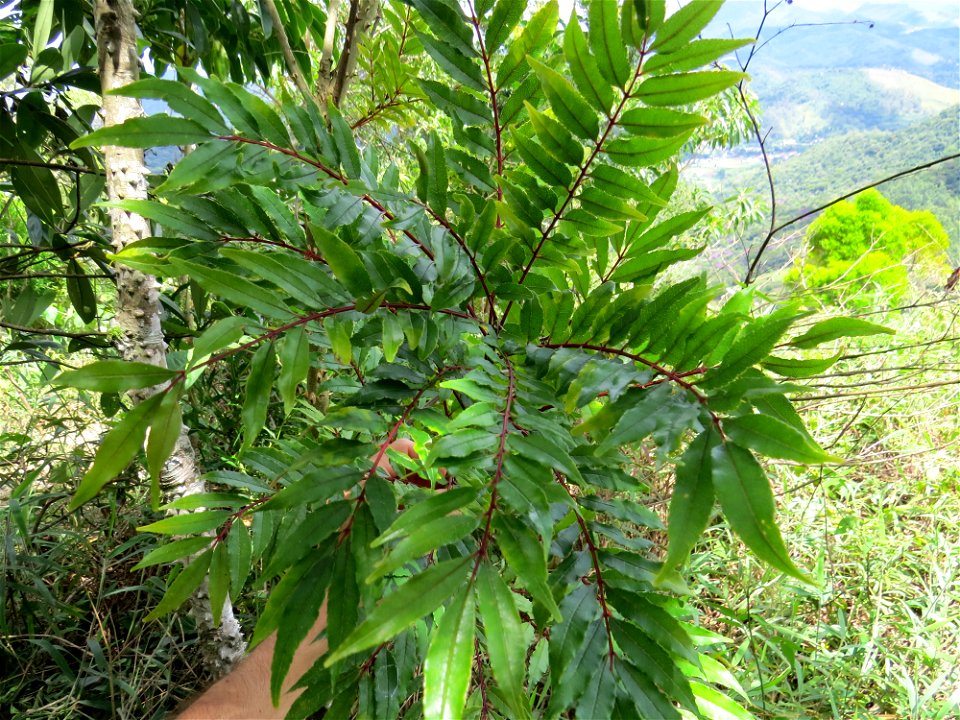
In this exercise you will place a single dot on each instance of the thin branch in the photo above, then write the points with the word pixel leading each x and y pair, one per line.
pixel 50 331
pixel 878 391
pixel 288 55
pixel 492 312
pixel 361 15
pixel 32 276
pixel 51 166
pixel 498 471
pixel 331 173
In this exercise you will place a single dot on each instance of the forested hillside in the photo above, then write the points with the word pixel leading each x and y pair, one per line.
pixel 805 106
pixel 837 165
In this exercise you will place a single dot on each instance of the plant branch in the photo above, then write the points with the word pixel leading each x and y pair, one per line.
pixel 442 221
pixel 50 331
pixel 51 166
pixel 288 56
pixel 498 471
pixel 331 173
pixel 581 176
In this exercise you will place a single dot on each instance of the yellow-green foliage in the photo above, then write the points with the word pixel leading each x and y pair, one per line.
pixel 870 244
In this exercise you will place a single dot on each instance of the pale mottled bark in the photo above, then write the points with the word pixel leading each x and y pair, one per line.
pixel 138 294
pixel 332 81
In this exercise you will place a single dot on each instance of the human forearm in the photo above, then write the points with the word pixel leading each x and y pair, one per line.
pixel 244 694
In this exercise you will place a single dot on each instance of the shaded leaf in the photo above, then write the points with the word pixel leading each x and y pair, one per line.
pixel 747 501
pixel 446 673
pixel 417 597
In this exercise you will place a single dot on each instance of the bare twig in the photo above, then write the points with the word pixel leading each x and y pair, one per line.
pixel 284 41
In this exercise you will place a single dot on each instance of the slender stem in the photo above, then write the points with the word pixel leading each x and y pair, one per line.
pixel 49 331
pixel 288 56
pixel 672 375
pixel 803 216
pixel 50 166
pixel 601 587
pixel 331 173
pixel 498 471
pixel 492 312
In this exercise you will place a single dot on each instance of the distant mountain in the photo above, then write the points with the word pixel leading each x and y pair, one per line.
pixel 820 70
pixel 922 38
pixel 804 106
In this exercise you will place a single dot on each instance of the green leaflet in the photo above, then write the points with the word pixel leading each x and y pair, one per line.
pixel 686 88
pixel 146 132
pixel 692 56
pixel 234 288
pixel 437 179
pixel 656 622
pixel 644 152
pixel 647 699
pixel 447 669
pixel 568 105
pixel 448 23
pixel 460 444
pixel 607 43
pixel 423 540
pixel 256 397
pixel 660 122
pixel 188 523
pixel 578 609
pixel 294 364
pixel 114 376
pixel 753 344
pixel 298 616
pixel 541 449
pixel 583 67
pixel 344 142
pixel 506 14
pixel 218 580
pixel 344 262
pixel 524 553
pixel 173 551
pixel 555 138
pixel 180 98
pixel 835 328
pixel 747 501
pixel 425 511
pixel 799 368
pixel 653 662
pixel 685 24
pixel 776 439
pixel 501 624
pixel 80 291
pixel 12 56
pixel 116 451
pixel 537 33
pixel 692 500
pixel 460 67
pixel 419 596
pixel 165 428
pixel 183 587
pixel 550 171
pixel 169 216
pixel 222 333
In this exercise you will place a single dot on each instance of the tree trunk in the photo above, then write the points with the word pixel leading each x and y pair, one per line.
pixel 138 304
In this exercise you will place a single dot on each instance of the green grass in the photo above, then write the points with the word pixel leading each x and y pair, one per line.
pixel 880 637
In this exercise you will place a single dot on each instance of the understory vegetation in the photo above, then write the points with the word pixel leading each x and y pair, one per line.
pixel 637 491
